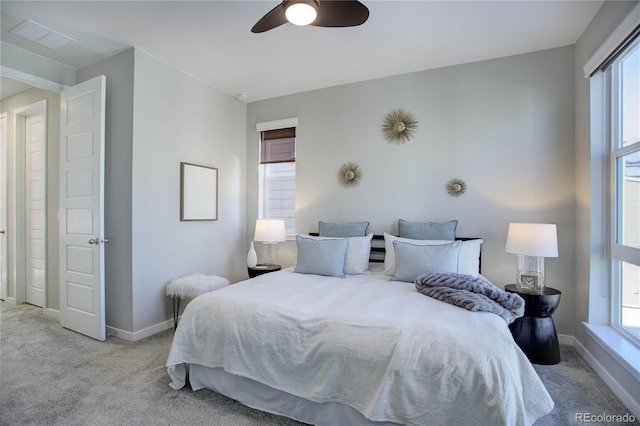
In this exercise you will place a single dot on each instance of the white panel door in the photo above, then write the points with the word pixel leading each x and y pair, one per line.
pixel 82 116
pixel 35 219
pixel 3 207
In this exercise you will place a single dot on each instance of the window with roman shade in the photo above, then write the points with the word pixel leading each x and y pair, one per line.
pixel 277 172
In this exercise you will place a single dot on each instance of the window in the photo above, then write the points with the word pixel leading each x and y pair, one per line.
pixel 623 78
pixel 277 172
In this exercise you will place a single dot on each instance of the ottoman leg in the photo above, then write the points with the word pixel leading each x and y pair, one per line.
pixel 176 310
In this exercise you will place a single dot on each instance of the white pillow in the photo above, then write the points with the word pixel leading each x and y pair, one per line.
pixel 468 260
pixel 358 252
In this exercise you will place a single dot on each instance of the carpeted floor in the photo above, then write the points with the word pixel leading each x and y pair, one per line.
pixel 53 376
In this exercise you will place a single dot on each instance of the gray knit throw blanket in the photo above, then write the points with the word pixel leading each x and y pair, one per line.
pixel 473 294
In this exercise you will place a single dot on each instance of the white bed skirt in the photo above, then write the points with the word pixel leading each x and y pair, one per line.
pixel 264 398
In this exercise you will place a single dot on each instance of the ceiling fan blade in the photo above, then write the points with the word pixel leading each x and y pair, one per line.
pixel 341 13
pixel 271 20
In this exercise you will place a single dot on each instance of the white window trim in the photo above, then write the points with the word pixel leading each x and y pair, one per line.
pixel 618 251
pixel 606 339
pixel 611 339
pixel 615 341
pixel 277 124
pixel 621 349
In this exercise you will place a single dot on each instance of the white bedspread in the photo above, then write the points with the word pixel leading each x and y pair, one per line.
pixel 378 346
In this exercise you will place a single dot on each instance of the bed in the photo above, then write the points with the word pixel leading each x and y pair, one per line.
pixel 354 349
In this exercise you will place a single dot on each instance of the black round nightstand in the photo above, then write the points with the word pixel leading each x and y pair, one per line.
pixel 535 332
pixel 262 268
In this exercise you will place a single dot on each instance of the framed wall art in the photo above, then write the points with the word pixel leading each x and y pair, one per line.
pixel 198 192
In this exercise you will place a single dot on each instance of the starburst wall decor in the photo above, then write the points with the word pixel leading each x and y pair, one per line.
pixel 399 126
pixel 349 174
pixel 456 187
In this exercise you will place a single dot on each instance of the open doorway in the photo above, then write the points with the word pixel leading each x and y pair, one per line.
pixel 35 182
pixel 29 206
pixel 28 256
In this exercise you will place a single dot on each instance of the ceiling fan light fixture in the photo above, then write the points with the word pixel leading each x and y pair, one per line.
pixel 301 12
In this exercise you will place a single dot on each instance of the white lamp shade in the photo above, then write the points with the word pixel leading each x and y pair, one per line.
pixel 533 239
pixel 269 231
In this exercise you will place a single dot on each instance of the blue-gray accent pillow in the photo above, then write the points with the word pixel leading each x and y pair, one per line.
pixel 427 230
pixel 343 230
pixel 321 257
pixel 413 260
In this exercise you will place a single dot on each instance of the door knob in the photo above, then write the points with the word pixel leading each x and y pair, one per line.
pixel 1 231
pixel 97 240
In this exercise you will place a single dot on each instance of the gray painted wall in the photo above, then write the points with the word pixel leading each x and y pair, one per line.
pixel 179 118
pixel 159 116
pixel 505 126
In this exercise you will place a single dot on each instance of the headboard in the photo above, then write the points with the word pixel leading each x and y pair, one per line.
pixel 378 250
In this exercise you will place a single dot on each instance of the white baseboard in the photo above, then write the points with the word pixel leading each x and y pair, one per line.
pixel 565 339
pixel 613 384
pixel 112 331
pixel 53 313
pixel 140 334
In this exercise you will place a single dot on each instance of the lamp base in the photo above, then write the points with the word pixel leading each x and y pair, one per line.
pixel 268 255
pixel 530 274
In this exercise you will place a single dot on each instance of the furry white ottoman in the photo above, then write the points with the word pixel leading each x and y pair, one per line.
pixel 191 286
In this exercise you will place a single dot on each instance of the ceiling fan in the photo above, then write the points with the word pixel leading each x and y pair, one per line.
pixel 325 13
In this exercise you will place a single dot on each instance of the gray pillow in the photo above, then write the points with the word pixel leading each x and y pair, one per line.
pixel 413 260
pixel 427 230
pixel 321 257
pixel 343 230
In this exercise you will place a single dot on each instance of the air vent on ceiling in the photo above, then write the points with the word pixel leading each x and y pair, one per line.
pixel 42 35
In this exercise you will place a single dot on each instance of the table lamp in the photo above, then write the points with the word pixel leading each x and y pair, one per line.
pixel 532 242
pixel 269 232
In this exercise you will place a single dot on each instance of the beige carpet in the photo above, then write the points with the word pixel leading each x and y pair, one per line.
pixel 53 376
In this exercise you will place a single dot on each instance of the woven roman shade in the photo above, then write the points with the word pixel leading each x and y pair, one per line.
pixel 278 146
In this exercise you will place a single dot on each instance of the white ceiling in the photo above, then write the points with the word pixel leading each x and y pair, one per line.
pixel 212 41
